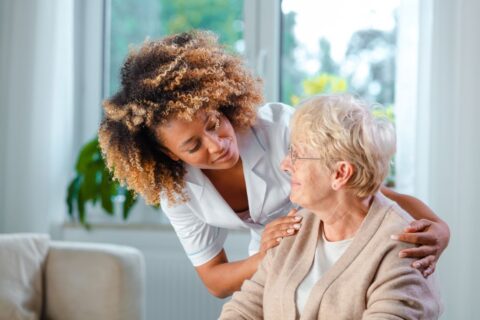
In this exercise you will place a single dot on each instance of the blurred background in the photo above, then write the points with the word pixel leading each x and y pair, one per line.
pixel 418 59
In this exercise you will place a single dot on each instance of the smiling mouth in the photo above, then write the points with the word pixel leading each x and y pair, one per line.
pixel 294 183
pixel 225 152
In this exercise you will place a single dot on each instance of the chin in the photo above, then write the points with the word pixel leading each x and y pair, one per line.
pixel 299 201
pixel 293 199
pixel 230 164
pixel 234 160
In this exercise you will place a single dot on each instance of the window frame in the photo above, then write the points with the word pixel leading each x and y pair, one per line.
pixel 262 43
pixel 90 70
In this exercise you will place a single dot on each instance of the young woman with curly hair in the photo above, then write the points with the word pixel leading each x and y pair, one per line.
pixel 186 131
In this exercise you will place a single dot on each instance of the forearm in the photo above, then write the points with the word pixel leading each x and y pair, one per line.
pixel 415 207
pixel 248 302
pixel 222 278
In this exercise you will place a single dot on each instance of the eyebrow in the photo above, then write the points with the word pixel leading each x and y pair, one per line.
pixel 190 140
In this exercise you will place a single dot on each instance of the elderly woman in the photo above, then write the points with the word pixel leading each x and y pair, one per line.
pixel 343 263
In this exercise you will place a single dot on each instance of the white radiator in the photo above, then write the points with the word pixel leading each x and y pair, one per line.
pixel 174 290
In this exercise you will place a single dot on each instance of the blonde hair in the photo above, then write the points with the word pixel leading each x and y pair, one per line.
pixel 343 128
pixel 173 78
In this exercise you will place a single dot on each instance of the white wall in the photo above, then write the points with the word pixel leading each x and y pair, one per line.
pixel 36 107
pixel 448 141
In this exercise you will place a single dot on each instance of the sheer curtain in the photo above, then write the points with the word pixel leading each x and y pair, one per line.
pixel 448 146
pixel 36 112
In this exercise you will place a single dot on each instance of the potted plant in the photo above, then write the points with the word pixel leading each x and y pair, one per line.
pixel 93 184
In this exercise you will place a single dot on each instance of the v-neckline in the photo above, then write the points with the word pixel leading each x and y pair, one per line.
pixel 234 174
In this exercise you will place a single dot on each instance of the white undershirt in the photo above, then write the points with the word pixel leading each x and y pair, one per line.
pixel 326 254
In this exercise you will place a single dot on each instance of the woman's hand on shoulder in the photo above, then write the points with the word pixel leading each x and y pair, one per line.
pixel 278 229
pixel 431 238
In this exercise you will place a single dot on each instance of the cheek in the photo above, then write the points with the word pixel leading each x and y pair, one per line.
pixel 199 157
pixel 310 182
pixel 225 125
pixel 309 187
pixel 195 158
pixel 227 131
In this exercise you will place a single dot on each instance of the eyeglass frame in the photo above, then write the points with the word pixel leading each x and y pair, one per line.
pixel 294 157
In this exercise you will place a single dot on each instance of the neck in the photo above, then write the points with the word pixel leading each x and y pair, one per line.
pixel 217 174
pixel 343 217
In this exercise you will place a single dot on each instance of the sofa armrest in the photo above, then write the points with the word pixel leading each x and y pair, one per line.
pixel 94 281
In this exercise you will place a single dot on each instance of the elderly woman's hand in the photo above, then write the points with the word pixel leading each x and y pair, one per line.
pixel 431 239
pixel 279 228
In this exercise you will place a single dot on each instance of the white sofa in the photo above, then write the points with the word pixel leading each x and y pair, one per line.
pixel 44 279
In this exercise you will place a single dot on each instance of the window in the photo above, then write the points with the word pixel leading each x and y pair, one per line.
pixel 328 48
pixel 298 47
pixel 132 23
pixel 339 46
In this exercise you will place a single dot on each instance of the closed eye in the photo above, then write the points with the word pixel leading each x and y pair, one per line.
pixel 195 148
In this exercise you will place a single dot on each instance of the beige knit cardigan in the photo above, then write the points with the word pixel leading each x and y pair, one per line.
pixel 369 281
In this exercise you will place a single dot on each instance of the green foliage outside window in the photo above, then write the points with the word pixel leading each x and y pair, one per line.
pixel 323 83
pixel 133 22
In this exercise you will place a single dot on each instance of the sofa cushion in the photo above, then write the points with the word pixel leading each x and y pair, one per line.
pixel 107 279
pixel 22 261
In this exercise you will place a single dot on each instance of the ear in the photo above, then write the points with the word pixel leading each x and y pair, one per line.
pixel 342 172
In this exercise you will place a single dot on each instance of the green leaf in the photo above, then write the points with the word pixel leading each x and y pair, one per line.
pixel 88 154
pixel 81 207
pixel 81 211
pixel 89 186
pixel 130 200
pixel 72 194
pixel 107 191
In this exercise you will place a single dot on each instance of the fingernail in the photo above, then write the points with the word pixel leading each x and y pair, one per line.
pixel 298 218
pixel 394 237
pixel 416 264
pixel 279 239
pixel 402 254
pixel 297 226
pixel 290 231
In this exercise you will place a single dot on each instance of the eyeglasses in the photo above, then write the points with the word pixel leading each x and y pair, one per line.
pixel 294 157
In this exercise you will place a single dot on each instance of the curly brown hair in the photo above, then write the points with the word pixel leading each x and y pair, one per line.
pixel 172 78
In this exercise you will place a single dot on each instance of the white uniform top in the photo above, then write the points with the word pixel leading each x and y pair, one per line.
pixel 201 224
pixel 326 254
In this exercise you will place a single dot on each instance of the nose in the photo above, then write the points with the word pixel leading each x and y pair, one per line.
pixel 286 164
pixel 213 143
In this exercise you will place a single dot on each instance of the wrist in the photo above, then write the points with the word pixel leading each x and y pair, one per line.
pixel 256 259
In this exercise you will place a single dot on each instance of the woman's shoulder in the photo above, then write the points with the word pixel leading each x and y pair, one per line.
pixel 275 112
pixel 307 233
pixel 396 219
pixel 393 222
pixel 307 216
